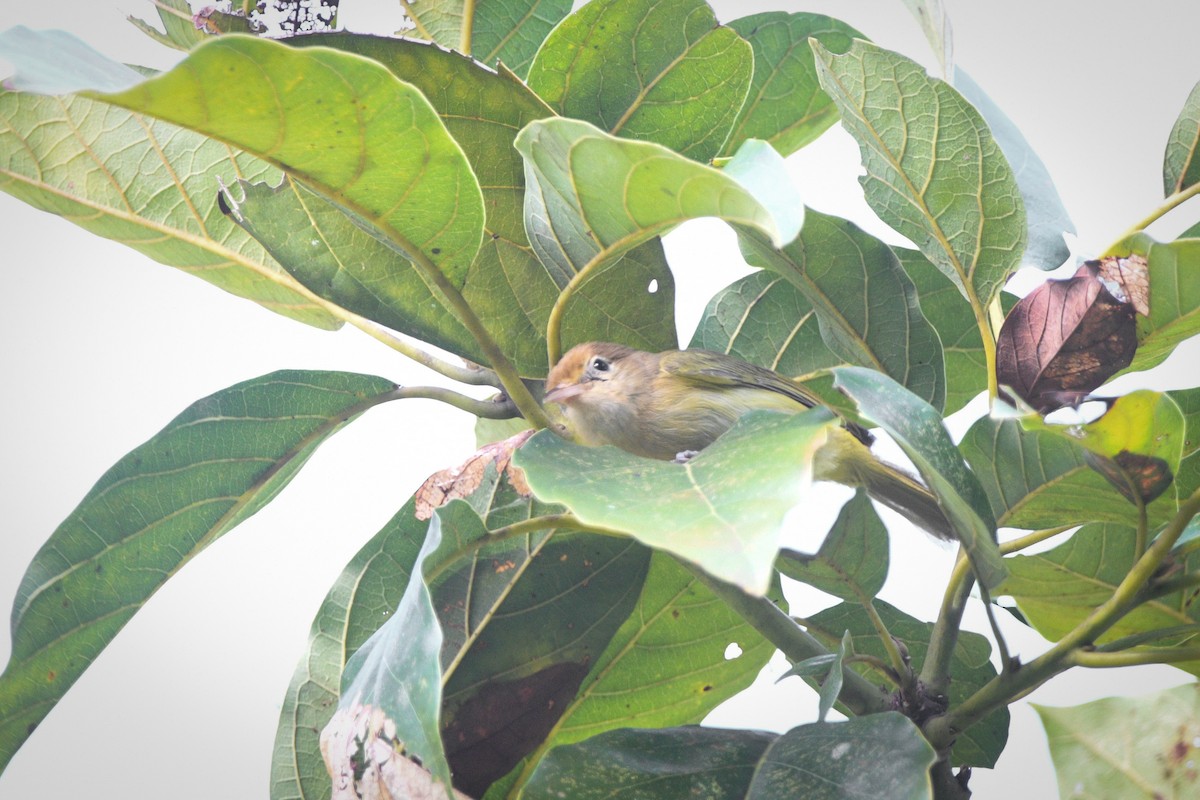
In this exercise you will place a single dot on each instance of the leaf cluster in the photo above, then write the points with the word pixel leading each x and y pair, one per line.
pixel 548 619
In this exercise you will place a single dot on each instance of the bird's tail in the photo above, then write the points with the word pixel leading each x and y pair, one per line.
pixel 848 461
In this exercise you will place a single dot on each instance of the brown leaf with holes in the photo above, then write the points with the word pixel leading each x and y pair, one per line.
pixel 1064 339
pixel 1137 477
pixel 1127 279
pixel 458 482
pixel 367 762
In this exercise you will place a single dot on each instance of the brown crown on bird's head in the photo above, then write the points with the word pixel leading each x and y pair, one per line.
pixel 580 366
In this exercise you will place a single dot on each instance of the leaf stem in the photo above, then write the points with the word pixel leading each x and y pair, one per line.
pixel 488 409
pixel 468 23
pixel 900 669
pixel 1173 200
pixel 1009 686
pixel 935 672
pixel 878 664
pixel 858 694
pixel 473 375
pixel 1030 539
pixel 1132 658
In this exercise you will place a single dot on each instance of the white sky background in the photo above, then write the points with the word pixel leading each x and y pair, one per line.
pixel 102 347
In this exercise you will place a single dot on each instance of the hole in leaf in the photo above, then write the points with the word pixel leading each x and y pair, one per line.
pixel 653 287
pixel 732 651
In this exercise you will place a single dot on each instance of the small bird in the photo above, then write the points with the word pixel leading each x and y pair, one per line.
pixel 664 405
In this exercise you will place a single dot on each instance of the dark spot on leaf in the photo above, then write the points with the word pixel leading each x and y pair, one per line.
pixel 1133 474
pixel 675 613
pixel 707 688
pixel 99 569
pixel 436 250
pixel 51 675
pixel 221 204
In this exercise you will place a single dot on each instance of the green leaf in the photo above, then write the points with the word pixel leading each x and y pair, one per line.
pixel 212 467
pixel 1058 589
pixel 146 184
pixel 510 290
pixel 722 510
pixel 866 306
pixel 176 16
pixel 970 667
pixel 786 106
pixel 1045 216
pixel 56 62
pixel 1126 747
pixel 1038 479
pixel 919 431
pixel 831 687
pixel 593 196
pixel 362 599
pixel 1139 441
pixel 934 172
pixel 322 247
pixel 943 306
pixel 342 124
pixel 1174 296
pixel 1181 162
pixel 1188 401
pixel 513 30
pixel 882 755
pixel 660 71
pixel 632 686
pixel 490 645
pixel 935 24
pixel 853 560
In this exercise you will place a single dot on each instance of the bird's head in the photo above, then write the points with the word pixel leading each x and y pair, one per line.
pixel 585 370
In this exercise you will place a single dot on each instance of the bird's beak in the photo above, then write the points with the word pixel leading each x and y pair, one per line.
pixel 562 394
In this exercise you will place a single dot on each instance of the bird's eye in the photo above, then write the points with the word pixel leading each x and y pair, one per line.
pixel 600 364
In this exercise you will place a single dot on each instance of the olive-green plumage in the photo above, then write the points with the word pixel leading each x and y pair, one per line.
pixel 659 405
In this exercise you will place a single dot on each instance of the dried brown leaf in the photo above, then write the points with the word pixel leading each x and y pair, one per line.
pixel 458 482
pixel 1066 338
pixel 1127 279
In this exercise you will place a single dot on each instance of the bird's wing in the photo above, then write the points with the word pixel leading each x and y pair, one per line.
pixel 711 369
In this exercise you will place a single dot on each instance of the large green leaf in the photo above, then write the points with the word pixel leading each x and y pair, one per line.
pixel 970 667
pixel 656 70
pixel 883 755
pixel 498 30
pixel 1127 747
pixel 362 599
pixel 722 510
pixel 147 184
pixel 1174 296
pixel 631 685
pixel 319 244
pixel 1137 444
pixel 866 305
pixel 508 288
pixel 853 560
pixel 212 467
pixel 919 431
pixel 1058 589
pixel 593 199
pixel 343 124
pixel 943 305
pixel 1045 216
pixel 786 106
pixel 1181 162
pixel 1038 479
pixel 765 320
pixel 934 172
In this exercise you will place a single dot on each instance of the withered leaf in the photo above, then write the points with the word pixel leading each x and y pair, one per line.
pixel 367 762
pixel 1064 339
pixel 458 482
pixel 1128 279
pixel 1133 475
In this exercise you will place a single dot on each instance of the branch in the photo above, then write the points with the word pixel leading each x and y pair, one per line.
pixel 1009 686
pixel 473 375
pixel 935 672
pixel 1171 202
pixel 1131 658
pixel 858 694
